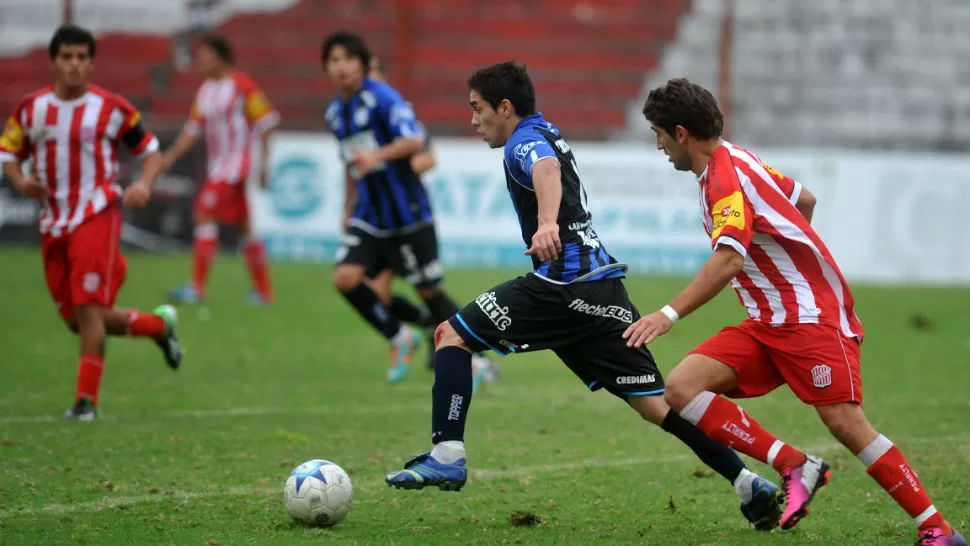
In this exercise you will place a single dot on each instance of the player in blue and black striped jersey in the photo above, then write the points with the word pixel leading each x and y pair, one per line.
pixel 573 302
pixel 388 219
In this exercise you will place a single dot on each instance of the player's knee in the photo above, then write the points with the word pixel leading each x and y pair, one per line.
pixel 845 421
pixel 650 408
pixel 346 279
pixel 446 336
pixel 679 391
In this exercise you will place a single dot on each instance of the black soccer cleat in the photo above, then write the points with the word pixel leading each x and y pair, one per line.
pixel 82 410
pixel 169 344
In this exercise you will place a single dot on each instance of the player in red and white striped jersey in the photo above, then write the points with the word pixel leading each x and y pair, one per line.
pixel 802 329
pixel 233 114
pixel 71 132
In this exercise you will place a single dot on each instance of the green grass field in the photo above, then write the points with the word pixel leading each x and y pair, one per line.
pixel 199 457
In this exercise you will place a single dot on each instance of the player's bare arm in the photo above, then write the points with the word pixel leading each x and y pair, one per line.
pixel 547 182
pixel 714 275
pixel 185 141
pixel 28 186
pixel 350 197
pixel 367 160
pixel 423 162
pixel 806 204
pixel 264 161
pixel 138 193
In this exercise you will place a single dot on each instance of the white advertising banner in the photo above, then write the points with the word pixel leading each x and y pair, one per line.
pixel 886 217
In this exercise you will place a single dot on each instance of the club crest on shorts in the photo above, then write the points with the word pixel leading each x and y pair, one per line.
pixel 91 282
pixel 821 376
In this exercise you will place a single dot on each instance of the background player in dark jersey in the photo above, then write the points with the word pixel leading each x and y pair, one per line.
pixel 573 302
pixel 483 369
pixel 388 214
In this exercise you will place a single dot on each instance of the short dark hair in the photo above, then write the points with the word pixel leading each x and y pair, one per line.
pixel 682 102
pixel 508 80
pixel 71 35
pixel 220 45
pixel 354 44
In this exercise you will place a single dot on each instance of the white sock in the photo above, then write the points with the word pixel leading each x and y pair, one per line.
pixel 742 485
pixel 402 336
pixel 448 452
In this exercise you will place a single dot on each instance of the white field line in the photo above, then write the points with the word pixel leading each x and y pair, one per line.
pixel 109 503
pixel 423 405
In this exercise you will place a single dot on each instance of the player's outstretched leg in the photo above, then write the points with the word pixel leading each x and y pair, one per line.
pixel 159 326
pixel 204 249
pixel 444 465
pixel 348 279
pixel 760 499
pixel 689 392
pixel 887 465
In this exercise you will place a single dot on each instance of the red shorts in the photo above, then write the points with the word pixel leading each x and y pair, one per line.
pixel 86 266
pixel 819 363
pixel 224 202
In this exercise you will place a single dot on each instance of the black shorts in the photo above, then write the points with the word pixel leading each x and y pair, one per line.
pixel 582 323
pixel 412 256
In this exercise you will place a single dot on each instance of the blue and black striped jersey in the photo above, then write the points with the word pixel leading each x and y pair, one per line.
pixel 584 258
pixel 391 198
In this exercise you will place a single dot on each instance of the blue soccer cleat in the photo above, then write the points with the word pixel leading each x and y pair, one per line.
pixel 424 470
pixel 186 294
pixel 764 508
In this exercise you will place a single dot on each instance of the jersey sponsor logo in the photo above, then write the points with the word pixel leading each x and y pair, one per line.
pixel 609 311
pixel 728 212
pixel 821 376
pixel 589 237
pixel 497 314
pixel 362 116
pixel 636 379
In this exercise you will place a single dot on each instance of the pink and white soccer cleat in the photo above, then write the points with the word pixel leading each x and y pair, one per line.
pixel 800 484
pixel 934 537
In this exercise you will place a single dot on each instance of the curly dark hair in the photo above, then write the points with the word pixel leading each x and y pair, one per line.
pixel 682 102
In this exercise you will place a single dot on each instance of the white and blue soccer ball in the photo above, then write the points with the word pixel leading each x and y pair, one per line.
pixel 318 493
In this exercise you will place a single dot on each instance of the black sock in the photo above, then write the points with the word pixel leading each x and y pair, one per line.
pixel 720 458
pixel 405 311
pixel 451 394
pixel 441 306
pixel 370 307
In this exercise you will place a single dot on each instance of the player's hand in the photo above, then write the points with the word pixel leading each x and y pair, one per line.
pixel 137 195
pixel 647 329
pixel 545 243
pixel 366 161
pixel 32 188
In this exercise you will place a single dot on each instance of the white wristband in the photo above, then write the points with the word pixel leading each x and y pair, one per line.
pixel 671 313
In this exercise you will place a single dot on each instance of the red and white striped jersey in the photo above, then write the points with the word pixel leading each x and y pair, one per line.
pixel 232 111
pixel 74 149
pixel 789 275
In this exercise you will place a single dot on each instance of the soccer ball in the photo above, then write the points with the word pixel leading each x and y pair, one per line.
pixel 318 493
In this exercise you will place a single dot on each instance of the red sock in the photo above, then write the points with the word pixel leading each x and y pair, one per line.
pixel 886 464
pixel 255 254
pixel 726 423
pixel 89 378
pixel 145 325
pixel 204 251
